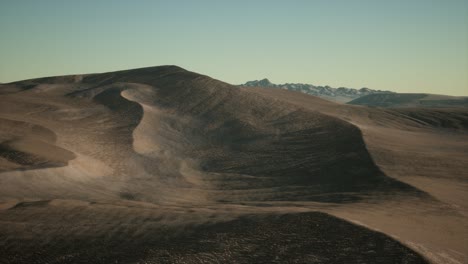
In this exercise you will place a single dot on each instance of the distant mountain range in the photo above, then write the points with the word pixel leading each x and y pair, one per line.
pixel 341 94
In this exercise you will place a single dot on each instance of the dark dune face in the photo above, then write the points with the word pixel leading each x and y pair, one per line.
pixel 267 238
pixel 450 119
pixel 163 157
pixel 410 100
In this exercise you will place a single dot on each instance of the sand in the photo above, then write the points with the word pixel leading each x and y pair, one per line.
pixel 159 165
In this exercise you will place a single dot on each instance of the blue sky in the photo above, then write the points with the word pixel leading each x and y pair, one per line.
pixel 405 46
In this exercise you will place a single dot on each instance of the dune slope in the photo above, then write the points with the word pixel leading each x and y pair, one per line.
pixel 411 100
pixel 423 147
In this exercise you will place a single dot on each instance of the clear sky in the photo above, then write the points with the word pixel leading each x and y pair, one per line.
pixel 399 45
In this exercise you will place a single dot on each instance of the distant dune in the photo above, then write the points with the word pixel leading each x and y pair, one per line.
pixel 411 100
pixel 163 165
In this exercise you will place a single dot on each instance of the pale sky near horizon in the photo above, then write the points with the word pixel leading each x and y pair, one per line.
pixel 403 46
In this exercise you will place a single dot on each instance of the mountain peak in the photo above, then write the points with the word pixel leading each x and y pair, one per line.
pixel 262 83
pixel 341 94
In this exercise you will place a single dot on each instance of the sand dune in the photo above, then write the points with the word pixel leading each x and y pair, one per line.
pixel 126 154
pixel 411 100
pixel 423 147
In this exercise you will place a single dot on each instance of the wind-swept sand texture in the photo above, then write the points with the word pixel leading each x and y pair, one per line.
pixel 162 165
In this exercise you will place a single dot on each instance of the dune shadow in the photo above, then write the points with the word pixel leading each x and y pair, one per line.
pixel 291 238
pixel 30 146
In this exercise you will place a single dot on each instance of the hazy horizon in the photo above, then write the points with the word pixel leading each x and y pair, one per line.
pixel 405 47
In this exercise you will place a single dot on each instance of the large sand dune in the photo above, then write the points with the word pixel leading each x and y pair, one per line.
pixel 164 165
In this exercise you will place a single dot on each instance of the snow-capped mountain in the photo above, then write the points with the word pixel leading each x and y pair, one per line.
pixel 341 94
